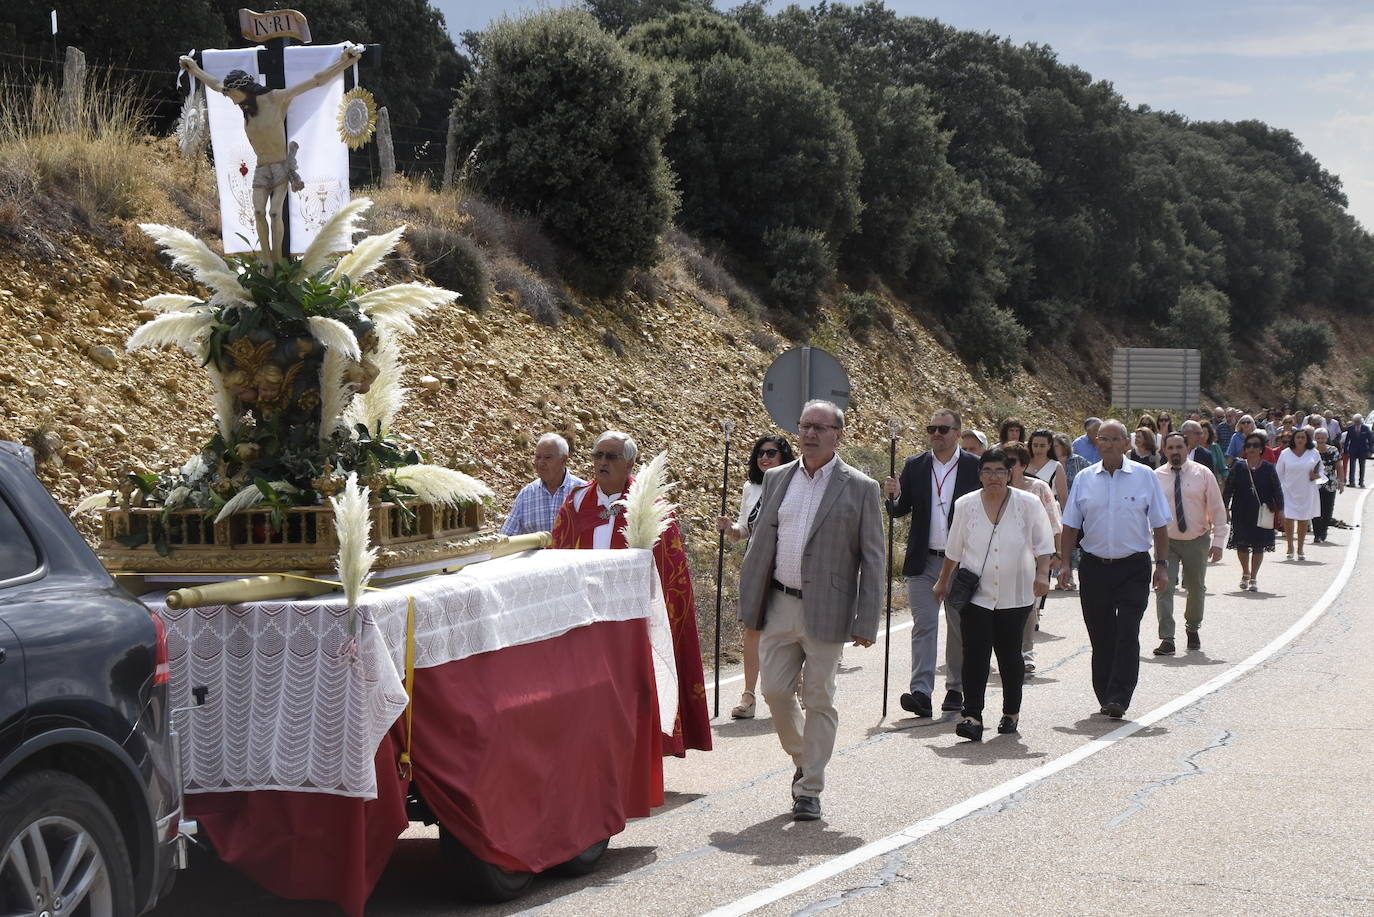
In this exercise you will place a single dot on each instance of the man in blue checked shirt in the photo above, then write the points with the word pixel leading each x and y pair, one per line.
pixel 538 501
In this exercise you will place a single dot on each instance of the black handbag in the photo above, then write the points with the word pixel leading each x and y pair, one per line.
pixel 964 583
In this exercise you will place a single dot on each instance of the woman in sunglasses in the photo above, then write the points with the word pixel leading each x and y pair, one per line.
pixel 1044 466
pixel 1253 484
pixel 769 452
pixel 1165 422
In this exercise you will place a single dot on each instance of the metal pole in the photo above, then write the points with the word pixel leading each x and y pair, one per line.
pixel 727 427
pixel 893 428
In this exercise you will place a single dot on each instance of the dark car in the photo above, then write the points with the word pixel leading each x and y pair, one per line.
pixel 90 795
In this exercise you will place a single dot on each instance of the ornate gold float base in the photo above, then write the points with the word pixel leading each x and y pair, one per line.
pixel 307 542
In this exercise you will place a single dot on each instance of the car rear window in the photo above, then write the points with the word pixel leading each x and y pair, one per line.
pixel 17 553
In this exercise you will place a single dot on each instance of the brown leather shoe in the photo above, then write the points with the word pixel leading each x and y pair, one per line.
pixel 1165 648
pixel 1194 641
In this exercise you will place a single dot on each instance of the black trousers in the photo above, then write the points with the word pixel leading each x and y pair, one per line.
pixel 1114 597
pixel 1322 522
pixel 987 631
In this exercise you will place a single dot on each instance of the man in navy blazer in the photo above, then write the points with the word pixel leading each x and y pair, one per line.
pixel 929 485
pixel 1359 442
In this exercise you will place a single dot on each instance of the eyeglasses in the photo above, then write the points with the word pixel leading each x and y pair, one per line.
pixel 816 427
pixel 768 452
pixel 1254 446
pixel 941 428
pixel 608 456
pixel 994 472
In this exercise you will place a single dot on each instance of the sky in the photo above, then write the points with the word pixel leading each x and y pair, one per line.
pixel 1304 67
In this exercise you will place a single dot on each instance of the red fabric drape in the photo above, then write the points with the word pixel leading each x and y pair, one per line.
pixel 528 755
pixel 578 517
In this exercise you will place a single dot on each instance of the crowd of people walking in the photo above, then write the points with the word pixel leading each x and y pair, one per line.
pixel 1114 514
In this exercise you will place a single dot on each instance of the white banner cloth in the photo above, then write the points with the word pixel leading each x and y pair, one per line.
pixel 287 711
pixel 234 158
pixel 313 122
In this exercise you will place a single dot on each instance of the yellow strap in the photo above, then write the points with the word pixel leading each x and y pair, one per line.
pixel 404 765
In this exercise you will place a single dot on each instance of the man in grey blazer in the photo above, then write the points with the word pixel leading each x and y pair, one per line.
pixel 811 580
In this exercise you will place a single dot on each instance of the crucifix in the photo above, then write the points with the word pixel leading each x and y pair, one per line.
pixel 264 121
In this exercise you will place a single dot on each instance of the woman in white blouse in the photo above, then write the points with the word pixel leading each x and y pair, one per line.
pixel 1003 535
pixel 769 452
pixel 1043 465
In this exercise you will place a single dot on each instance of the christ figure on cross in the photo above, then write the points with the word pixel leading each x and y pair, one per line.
pixel 264 121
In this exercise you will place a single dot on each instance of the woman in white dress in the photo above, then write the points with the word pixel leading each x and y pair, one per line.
pixel 1300 475
pixel 1000 534
pixel 769 452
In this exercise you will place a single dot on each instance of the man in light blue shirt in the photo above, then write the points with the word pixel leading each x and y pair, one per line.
pixel 1086 445
pixel 537 504
pixel 1120 511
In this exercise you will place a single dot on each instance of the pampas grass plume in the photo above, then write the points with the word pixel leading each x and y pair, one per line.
pixel 353 522
pixel 367 255
pixel 437 484
pixel 336 235
pixel 647 510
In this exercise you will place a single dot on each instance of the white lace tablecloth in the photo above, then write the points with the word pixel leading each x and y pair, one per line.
pixel 288 710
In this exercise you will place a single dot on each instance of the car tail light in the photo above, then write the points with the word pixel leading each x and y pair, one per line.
pixel 162 673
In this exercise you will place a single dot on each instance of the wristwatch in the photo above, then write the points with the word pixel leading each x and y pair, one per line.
pixel 1161 563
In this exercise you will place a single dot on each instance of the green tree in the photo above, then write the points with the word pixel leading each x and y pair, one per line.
pixel 568 126
pixel 619 16
pixel 1202 319
pixel 759 143
pixel 1301 343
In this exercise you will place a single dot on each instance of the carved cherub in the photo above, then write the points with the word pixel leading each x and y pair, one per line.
pixel 264 121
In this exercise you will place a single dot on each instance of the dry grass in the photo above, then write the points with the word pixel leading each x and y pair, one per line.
pixel 88 163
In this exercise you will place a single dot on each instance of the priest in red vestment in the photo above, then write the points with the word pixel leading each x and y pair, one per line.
pixel 587 520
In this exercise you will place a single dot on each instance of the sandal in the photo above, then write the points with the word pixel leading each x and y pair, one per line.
pixel 744 710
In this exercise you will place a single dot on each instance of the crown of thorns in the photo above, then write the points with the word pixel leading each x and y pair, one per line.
pixel 238 79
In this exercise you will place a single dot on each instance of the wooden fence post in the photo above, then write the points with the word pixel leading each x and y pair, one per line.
pixel 451 150
pixel 73 87
pixel 386 153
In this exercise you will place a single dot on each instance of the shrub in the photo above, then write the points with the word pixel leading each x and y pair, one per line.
pixel 765 340
pixel 613 343
pixel 759 142
pixel 570 125
pixel 453 261
pixel 862 310
pixel 1202 319
pixel 1301 343
pixel 991 337
pixel 528 291
pixel 801 264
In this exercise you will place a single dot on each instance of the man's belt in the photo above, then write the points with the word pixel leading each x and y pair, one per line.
pixel 1139 555
pixel 936 552
pixel 795 593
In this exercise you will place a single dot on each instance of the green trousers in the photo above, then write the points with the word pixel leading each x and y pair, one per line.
pixel 1192 555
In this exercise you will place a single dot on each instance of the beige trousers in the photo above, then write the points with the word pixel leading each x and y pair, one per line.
pixel 786 650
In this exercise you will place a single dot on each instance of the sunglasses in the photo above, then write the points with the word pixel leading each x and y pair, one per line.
pixel 941 428
pixel 608 456
pixel 768 452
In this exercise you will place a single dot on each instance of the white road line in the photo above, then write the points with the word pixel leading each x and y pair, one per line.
pixel 906 625
pixel 909 835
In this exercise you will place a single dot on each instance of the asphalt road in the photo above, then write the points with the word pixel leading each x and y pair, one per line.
pixel 1240 782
